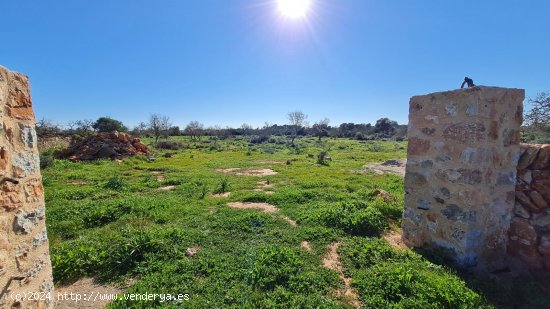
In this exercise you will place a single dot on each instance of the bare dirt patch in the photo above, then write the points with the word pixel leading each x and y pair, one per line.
pixel 167 188
pixel 332 261
pixel 192 251
pixel 78 182
pixel 393 237
pixel 160 178
pixel 220 195
pixel 84 286
pixel 290 221
pixel 306 245
pixel 383 194
pixel 264 186
pixel 248 171
pixel 264 207
pixel 391 166
pixel 227 170
pixel 270 162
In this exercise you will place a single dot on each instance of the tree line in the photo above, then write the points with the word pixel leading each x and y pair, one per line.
pixel 160 126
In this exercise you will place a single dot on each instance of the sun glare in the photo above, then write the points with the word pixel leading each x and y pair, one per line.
pixel 294 8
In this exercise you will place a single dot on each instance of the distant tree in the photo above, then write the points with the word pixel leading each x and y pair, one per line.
pixel 194 129
pixel 159 126
pixel 385 126
pixel 320 128
pixel 539 114
pixel 174 131
pixel 140 130
pixel 297 120
pixel 246 129
pixel 537 119
pixel 83 127
pixel 107 124
pixel 45 127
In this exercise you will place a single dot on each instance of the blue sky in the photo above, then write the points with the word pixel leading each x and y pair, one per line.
pixel 230 62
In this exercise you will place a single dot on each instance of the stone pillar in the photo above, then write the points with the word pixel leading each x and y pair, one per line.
pixel 461 172
pixel 529 234
pixel 25 265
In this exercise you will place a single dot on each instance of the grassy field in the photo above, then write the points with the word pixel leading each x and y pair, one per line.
pixel 112 221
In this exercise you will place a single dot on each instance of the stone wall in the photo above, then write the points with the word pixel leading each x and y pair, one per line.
pixel 461 172
pixel 529 234
pixel 24 254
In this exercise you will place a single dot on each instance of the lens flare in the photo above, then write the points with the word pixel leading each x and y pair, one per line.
pixel 294 8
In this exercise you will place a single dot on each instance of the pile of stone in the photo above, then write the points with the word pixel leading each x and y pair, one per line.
pixel 104 145
pixel 529 234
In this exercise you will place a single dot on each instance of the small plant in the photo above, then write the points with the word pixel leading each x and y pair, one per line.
pixel 203 191
pixel 115 183
pixel 274 266
pixel 170 145
pixel 223 186
pixel 322 158
pixel 46 160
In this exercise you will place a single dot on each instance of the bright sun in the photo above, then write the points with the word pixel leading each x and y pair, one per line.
pixel 294 8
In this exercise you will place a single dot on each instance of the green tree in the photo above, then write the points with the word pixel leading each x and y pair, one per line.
pixel 107 124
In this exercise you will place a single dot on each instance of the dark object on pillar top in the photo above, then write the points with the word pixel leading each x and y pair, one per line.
pixel 467 81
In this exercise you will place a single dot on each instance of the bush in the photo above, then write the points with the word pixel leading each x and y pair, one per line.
pixel 223 186
pixel 170 145
pixel 46 160
pixel 321 158
pixel 354 218
pixel 259 139
pixel 115 183
pixel 274 266
pixel 113 255
pixel 413 284
pixel 360 253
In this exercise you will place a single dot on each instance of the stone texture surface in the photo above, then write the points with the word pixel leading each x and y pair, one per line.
pixel 463 201
pixel 532 207
pixel 24 254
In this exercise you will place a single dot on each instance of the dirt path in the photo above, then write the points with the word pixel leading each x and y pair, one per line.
pixel 391 166
pixel 248 171
pixel 263 207
pixel 86 288
pixel 332 261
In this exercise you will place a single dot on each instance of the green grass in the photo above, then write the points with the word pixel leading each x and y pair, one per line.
pixel 119 225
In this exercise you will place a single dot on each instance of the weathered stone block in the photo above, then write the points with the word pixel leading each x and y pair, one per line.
pixel 23 240
pixel 25 222
pixel 543 159
pixel 460 182
pixel 529 156
pixel 465 132
pixel 418 146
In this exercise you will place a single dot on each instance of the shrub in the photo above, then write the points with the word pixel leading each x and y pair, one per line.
pixel 273 266
pixel 170 145
pixel 223 186
pixel 354 218
pixel 259 139
pixel 46 160
pixel 115 183
pixel 321 158
pixel 413 284
pixel 101 214
pixel 360 253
